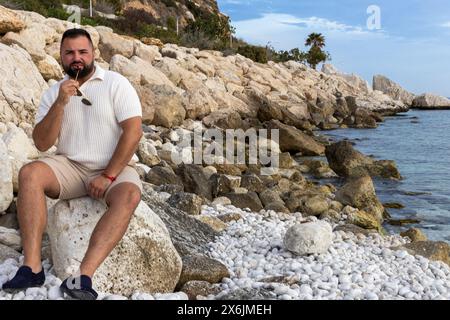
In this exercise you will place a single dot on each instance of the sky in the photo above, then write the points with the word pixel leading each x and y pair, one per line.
pixel 408 41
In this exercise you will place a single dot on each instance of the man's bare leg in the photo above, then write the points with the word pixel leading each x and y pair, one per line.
pixel 122 201
pixel 36 180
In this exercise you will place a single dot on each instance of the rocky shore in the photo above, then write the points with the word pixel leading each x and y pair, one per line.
pixel 211 229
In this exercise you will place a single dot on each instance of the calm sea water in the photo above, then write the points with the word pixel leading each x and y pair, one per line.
pixel 419 142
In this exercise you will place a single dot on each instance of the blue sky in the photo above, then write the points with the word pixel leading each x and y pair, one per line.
pixel 412 47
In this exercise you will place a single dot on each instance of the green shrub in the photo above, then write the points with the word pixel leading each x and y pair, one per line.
pixel 197 40
pixel 58 13
pixel 256 53
pixel 149 30
pixel 171 23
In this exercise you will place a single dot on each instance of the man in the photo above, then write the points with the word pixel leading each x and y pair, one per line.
pixel 97 134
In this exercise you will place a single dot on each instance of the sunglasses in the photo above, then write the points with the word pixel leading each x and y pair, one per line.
pixel 84 99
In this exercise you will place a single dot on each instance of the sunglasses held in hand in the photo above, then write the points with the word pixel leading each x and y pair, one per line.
pixel 84 99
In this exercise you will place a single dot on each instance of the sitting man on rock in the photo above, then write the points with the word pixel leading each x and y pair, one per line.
pixel 96 117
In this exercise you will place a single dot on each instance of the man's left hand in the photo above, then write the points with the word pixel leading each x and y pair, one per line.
pixel 98 186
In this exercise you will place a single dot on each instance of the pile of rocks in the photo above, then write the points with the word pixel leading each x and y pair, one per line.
pixel 194 214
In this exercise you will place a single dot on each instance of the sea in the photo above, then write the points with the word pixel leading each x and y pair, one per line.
pixel 419 142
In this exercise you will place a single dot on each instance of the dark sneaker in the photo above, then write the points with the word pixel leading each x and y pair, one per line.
pixel 24 278
pixel 79 288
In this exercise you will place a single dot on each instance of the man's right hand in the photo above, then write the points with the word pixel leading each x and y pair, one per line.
pixel 67 89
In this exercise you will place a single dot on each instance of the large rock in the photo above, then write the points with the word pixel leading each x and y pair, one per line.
pixel 392 89
pixel 202 268
pixel 252 182
pixel 222 183
pixel 225 119
pixel 10 238
pixel 9 220
pixel 159 175
pixel 9 21
pixel 20 149
pixel 352 80
pixel 360 193
pixel 194 180
pixel 315 206
pixel 414 234
pixel 50 68
pixel 6 178
pixel 269 196
pixel 31 39
pixel 138 71
pixel 348 162
pixel 245 200
pixel 215 223
pixel 195 288
pixel 293 140
pixel 199 103
pixel 433 250
pixel 189 236
pixel 177 74
pixel 361 218
pixel 6 252
pixel 22 89
pixel 354 229
pixel 161 105
pixel 309 238
pixel 144 260
pixel 147 153
pixel 430 101
pixel 187 202
pixel 149 53
pixel 111 44
pixel 18 144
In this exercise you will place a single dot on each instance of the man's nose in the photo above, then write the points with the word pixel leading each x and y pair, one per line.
pixel 76 56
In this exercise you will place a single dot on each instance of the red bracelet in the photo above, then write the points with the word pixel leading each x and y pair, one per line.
pixel 111 178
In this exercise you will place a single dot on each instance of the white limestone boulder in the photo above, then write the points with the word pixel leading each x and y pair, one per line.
pixel 145 259
pixel 6 174
pixel 309 238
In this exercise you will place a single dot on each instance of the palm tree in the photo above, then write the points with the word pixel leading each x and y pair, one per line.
pixel 315 54
pixel 315 40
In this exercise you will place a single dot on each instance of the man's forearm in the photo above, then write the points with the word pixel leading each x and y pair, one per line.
pixel 47 131
pixel 125 149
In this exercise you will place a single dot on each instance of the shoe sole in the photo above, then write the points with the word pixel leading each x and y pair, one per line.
pixel 79 294
pixel 16 290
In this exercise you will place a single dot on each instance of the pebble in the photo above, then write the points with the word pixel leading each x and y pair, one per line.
pixel 54 293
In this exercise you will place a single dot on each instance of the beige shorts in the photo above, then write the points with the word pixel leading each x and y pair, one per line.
pixel 74 178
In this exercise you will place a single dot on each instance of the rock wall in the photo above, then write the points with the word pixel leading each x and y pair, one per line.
pixel 195 84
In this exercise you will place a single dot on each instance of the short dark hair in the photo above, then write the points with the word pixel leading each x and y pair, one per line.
pixel 75 33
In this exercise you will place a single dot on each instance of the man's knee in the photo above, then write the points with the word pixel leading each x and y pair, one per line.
pixel 39 175
pixel 31 173
pixel 125 195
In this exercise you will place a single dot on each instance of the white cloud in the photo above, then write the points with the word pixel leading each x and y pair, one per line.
pixel 233 2
pixel 286 31
pixel 446 24
pixel 320 23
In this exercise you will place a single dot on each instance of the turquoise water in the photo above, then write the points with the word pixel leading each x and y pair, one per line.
pixel 419 142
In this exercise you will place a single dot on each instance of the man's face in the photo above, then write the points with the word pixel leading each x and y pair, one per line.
pixel 77 54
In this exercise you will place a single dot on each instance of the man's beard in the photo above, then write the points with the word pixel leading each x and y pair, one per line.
pixel 84 71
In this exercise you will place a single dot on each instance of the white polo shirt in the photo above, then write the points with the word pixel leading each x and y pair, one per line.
pixel 89 134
